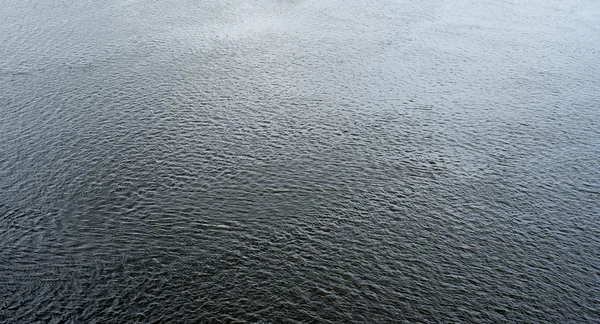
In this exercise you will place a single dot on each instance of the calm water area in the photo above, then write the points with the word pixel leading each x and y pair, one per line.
pixel 299 161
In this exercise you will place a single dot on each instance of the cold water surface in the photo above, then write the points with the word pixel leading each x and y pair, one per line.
pixel 299 161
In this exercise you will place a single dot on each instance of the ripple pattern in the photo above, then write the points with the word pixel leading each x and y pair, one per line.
pixel 299 161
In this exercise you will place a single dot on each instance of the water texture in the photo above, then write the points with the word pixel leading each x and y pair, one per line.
pixel 299 161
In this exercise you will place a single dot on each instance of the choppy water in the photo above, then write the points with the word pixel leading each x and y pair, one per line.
pixel 299 161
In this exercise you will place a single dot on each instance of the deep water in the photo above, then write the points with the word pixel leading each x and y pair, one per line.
pixel 299 161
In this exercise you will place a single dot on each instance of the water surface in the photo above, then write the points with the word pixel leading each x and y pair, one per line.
pixel 299 161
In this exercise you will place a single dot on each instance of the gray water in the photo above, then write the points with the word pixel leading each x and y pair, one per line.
pixel 299 161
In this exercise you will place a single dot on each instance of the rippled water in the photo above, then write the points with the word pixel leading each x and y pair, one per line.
pixel 299 161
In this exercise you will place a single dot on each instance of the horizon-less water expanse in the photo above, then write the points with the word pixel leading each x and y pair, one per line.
pixel 299 161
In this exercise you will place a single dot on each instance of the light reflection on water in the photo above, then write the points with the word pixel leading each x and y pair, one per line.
pixel 285 161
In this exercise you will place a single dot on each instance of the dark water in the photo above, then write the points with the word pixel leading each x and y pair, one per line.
pixel 299 161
